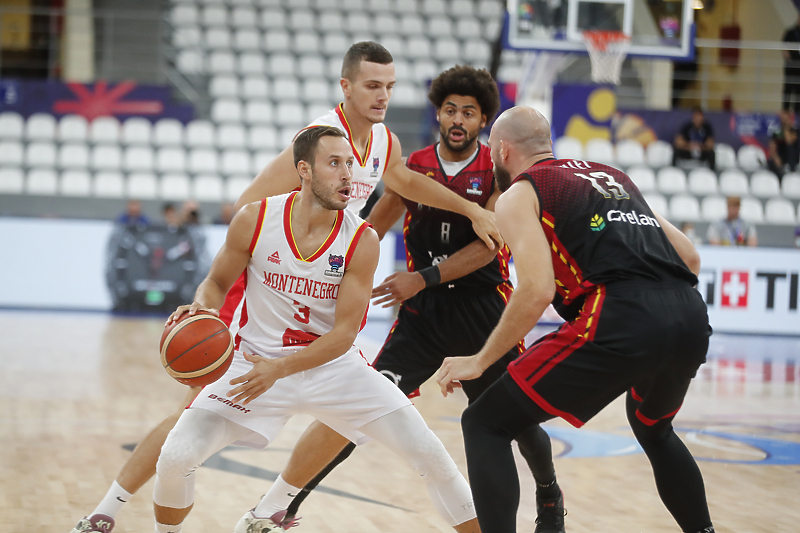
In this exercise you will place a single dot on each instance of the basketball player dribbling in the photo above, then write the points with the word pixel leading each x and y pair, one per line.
pixel 451 298
pixel 367 81
pixel 309 265
pixel 623 278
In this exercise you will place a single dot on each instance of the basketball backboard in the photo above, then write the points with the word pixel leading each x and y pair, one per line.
pixel 657 28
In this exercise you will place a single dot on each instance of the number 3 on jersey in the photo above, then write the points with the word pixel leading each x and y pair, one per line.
pixel 303 313
pixel 611 183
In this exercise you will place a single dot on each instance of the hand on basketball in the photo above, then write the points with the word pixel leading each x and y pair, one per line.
pixel 261 377
pixel 455 369
pixel 192 309
pixel 398 287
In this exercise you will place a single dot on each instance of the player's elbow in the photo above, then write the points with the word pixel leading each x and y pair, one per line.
pixel 692 260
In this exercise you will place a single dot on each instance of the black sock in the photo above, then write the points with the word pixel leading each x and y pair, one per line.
pixel 291 511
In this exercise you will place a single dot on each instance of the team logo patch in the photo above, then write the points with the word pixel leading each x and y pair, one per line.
pixel 474 186
pixel 274 258
pixel 597 223
pixel 336 262
pixel 376 162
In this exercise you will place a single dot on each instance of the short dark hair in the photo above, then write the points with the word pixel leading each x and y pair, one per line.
pixel 305 144
pixel 465 80
pixel 368 51
pixel 697 109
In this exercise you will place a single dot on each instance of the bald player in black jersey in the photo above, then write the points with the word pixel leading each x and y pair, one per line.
pixel 455 289
pixel 622 277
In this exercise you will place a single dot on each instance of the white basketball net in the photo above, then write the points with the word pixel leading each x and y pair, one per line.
pixel 607 51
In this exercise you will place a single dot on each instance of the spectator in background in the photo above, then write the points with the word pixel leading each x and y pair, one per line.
pixel 133 214
pixel 784 147
pixel 791 69
pixel 687 228
pixel 170 215
pixel 797 237
pixel 225 214
pixel 733 231
pixel 190 213
pixel 695 141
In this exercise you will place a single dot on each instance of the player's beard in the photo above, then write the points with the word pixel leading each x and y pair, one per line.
pixel 323 196
pixel 463 145
pixel 503 177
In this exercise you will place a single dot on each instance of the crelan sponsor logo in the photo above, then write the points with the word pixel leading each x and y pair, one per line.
pixel 634 218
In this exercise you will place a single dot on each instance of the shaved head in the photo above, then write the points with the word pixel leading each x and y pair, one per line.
pixel 520 137
pixel 525 128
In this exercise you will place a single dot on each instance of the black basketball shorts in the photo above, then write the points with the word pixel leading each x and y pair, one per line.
pixel 640 336
pixel 433 325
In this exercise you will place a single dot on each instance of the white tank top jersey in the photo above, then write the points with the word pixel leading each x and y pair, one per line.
pixel 367 168
pixel 289 300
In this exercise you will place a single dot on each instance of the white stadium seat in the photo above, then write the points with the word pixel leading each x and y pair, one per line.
pixel 313 66
pixel 684 207
pixel 282 64
pixel 235 162
pixel 108 185
pixel 713 208
pixel 657 203
pixel 138 159
pixel 277 41
pixel 725 156
pixel 73 155
pixel 423 70
pixel 447 49
pixel 302 19
pixel 751 158
pixel 764 184
pixel 334 45
pixel 190 62
pixel 174 187
pixel 226 110
pixel 418 47
pixel 104 130
pixel 235 186
pixel 208 188
pixel 243 17
pixel 221 63
pixel 12 180
pixel 752 210
pixel 187 37
pixel 273 19
pixel 72 128
pixel 290 114
pixel 11 125
pixel 258 112
pixel 40 127
pixel 733 182
pixel 659 154
pixel 171 159
pixel 306 42
pixel 184 15
pixel 40 154
pixel 106 157
pixel 262 138
pixel 75 183
pixel 780 211
pixel 214 16
pixel 224 85
pixel 217 39
pixel 568 148
pixel 203 161
pixel 246 40
pixel 41 182
pixel 230 136
pixel 315 90
pixel 629 153
pixel 643 177
pixel 255 87
pixel 285 89
pixel 703 181
pixel 671 180
pixel 600 151
pixel 790 185
pixel 411 24
pixel 142 186
pixel 137 130
pixel 252 64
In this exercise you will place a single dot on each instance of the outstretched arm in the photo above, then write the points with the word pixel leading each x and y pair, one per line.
pixel 534 292
pixel 401 286
pixel 353 300
pixel 228 265
pixel 386 211
pixel 419 188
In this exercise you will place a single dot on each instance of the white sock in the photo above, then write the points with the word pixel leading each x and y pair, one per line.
pixel 115 498
pixel 166 528
pixel 278 498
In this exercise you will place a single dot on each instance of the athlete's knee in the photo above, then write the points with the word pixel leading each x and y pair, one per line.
pixel 179 457
pixel 430 458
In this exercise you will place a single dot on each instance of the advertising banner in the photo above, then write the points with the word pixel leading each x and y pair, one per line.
pixel 752 290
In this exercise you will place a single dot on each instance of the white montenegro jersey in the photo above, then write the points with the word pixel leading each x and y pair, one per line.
pixel 289 301
pixel 368 169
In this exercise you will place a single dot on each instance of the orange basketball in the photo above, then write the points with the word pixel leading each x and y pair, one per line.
pixel 197 350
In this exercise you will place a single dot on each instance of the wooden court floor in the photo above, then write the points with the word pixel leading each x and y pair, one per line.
pixel 79 389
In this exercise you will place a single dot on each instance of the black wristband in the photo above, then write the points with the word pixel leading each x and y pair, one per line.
pixel 431 275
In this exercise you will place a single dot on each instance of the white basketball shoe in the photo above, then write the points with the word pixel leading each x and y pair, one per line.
pixel 97 523
pixel 274 524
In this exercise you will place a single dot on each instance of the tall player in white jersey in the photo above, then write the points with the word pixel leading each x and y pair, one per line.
pixel 367 81
pixel 309 265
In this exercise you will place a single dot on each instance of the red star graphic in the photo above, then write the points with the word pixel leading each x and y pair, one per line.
pixel 105 102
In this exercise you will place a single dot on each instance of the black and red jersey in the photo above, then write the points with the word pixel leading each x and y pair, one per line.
pixel 431 235
pixel 600 230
